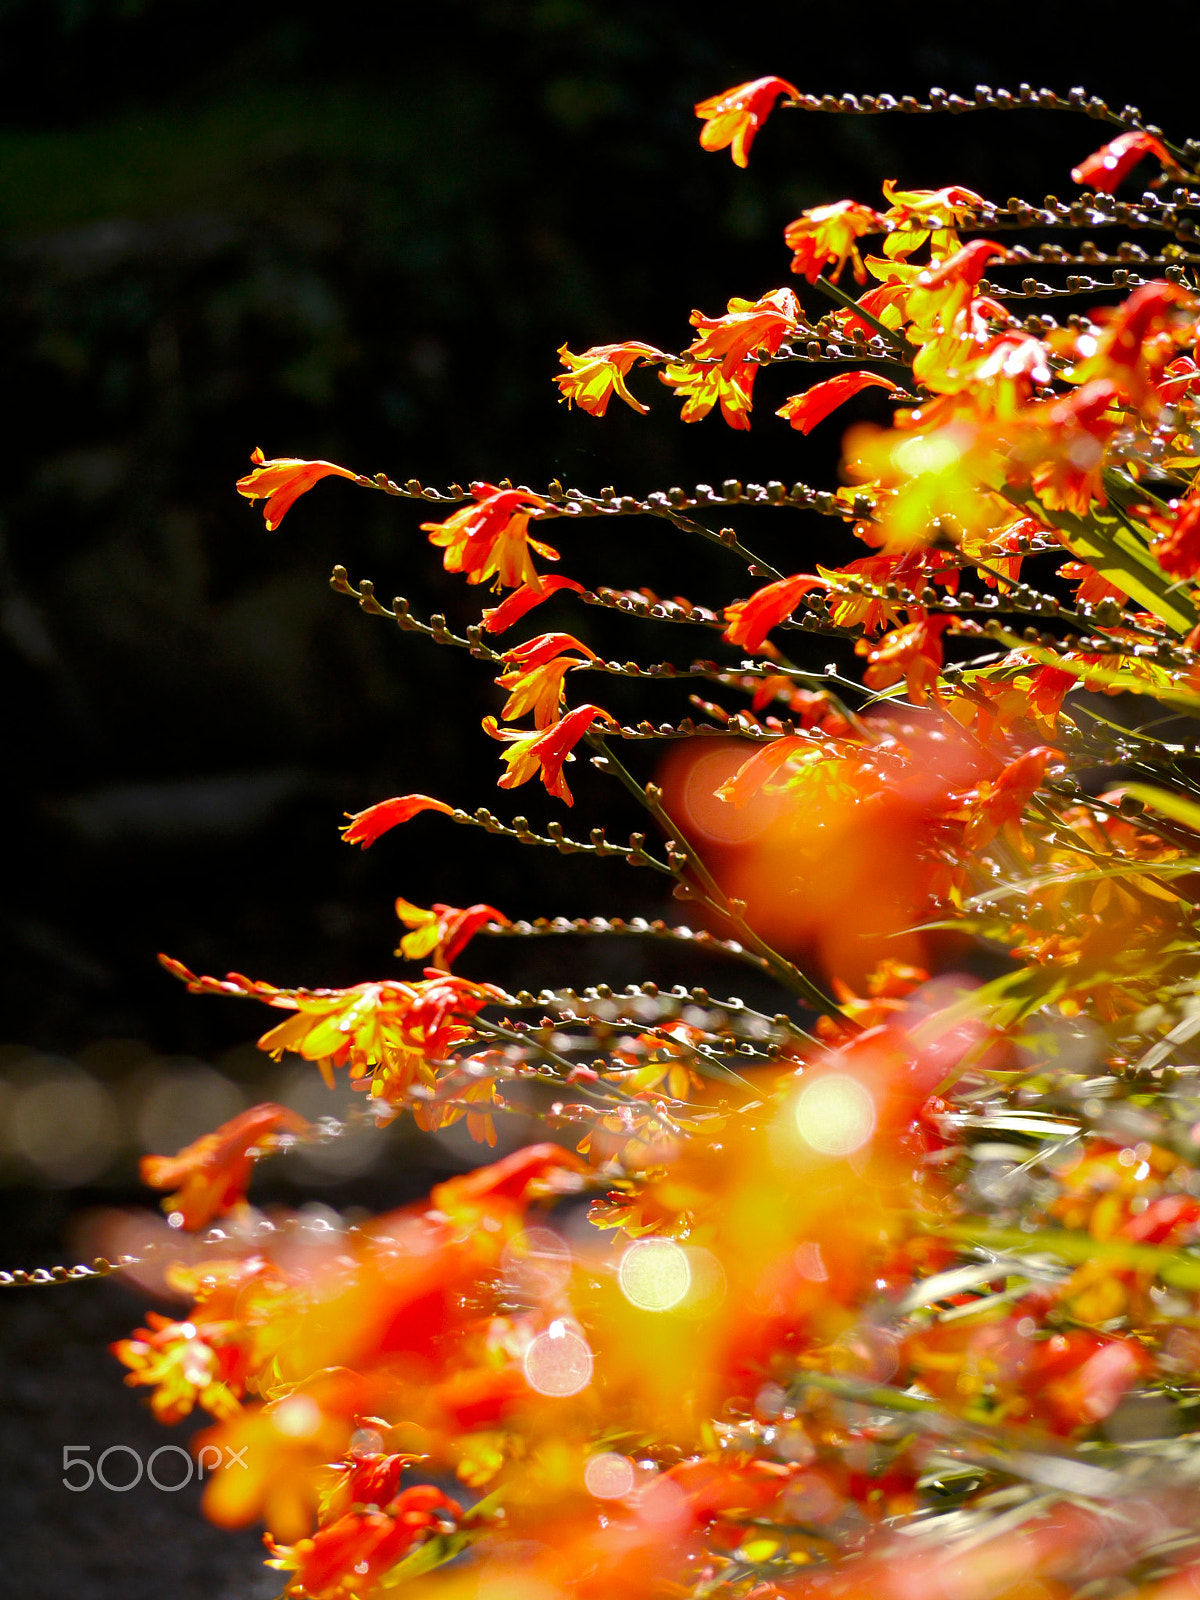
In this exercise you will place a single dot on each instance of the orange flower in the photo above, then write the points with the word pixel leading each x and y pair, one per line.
pixel 474 1100
pixel 1066 444
pixel 536 682
pixel 271 1457
pixel 748 328
pixel 443 931
pixel 491 538
pixel 749 621
pixel 391 1025
pixel 830 233
pixel 1181 376
pixel 704 386
pixel 998 803
pixel 929 208
pixel 805 410
pixel 498 619
pixel 1179 552
pixel 281 482
pixel 350 1554
pixel 546 751
pixel 188 1364
pixel 366 826
pixel 1105 168
pixel 599 373
pixel 734 118
pixel 213 1174
pixel 913 653
pixel 1140 340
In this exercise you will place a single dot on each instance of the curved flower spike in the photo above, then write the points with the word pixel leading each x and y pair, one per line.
pixel 734 118
pixel 281 483
pixel 1104 168
pixel 366 826
pixel 805 410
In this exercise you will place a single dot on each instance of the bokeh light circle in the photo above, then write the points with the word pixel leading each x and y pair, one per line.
pixel 655 1274
pixel 835 1114
pixel 558 1362
pixel 538 1260
pixel 609 1476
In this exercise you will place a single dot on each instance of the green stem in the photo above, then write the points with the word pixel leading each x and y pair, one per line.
pixel 889 335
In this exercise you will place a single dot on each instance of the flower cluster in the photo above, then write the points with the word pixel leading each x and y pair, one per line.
pixel 890 1282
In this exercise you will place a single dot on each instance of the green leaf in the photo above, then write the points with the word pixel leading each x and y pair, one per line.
pixel 1167 803
pixel 1118 556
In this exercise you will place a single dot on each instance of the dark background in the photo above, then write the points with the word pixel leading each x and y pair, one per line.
pixel 361 233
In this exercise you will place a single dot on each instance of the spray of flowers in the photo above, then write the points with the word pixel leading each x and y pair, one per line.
pixel 894 1286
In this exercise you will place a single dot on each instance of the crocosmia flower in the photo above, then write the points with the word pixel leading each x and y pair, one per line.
pixel 734 118
pixel 281 483
pixel 491 539
pixel 599 373
pixel 366 826
pixel 545 751
pixel 830 233
pixel 212 1175
pixel 805 410
pixel 1105 168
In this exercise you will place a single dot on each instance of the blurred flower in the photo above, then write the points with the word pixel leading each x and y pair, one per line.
pixel 213 1174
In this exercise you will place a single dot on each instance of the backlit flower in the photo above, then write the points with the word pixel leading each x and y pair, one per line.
pixel 366 826
pixel 704 386
pixel 186 1364
pixel 497 619
pixel 545 752
pixel 439 934
pixel 1179 552
pixel 281 483
pixel 805 410
pixel 749 621
pixel 348 1555
pixel 491 539
pixel 535 677
pixel 913 652
pixel 1104 168
pixel 748 328
pixel 385 1024
pixel 599 373
pixel 830 233
pixel 212 1175
pixel 734 118
pixel 1065 443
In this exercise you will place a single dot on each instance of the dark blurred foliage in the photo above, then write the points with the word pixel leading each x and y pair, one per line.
pixel 361 232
